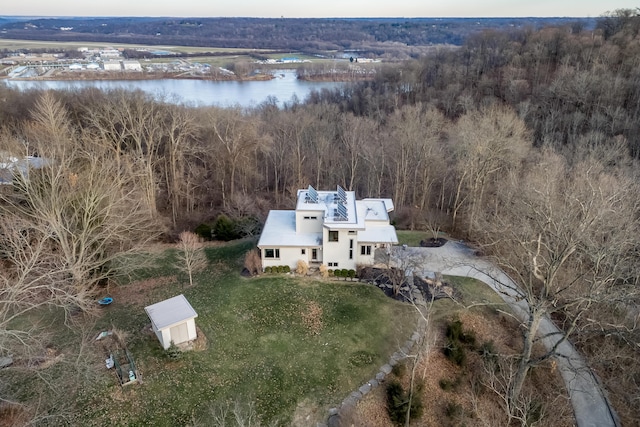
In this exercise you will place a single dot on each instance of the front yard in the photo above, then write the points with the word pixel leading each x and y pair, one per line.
pixel 290 348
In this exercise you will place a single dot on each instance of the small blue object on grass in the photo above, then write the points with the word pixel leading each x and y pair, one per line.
pixel 105 301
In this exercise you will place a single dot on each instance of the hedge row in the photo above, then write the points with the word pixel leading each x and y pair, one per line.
pixel 278 269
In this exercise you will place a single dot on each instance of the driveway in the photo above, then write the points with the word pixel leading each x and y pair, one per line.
pixel 590 405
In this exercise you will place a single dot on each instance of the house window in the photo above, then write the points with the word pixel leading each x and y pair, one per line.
pixel 333 236
pixel 365 250
pixel 332 264
pixel 272 253
pixel 303 251
pixel 310 217
pixel 352 232
pixel 351 249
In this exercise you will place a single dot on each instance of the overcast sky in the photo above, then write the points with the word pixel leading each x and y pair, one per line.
pixel 311 8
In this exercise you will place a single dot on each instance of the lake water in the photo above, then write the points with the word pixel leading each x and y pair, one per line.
pixel 196 92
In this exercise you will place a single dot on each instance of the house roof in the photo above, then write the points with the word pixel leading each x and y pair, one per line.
pixel 388 203
pixel 339 209
pixel 170 312
pixel 280 230
pixel 339 206
pixel 378 234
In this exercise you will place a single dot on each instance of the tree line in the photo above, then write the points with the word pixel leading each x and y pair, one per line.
pixel 309 34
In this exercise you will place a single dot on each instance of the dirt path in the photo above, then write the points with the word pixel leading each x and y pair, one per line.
pixel 590 405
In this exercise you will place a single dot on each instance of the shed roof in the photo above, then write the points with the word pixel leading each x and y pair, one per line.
pixel 170 312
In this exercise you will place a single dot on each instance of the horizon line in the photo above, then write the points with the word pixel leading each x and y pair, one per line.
pixel 298 17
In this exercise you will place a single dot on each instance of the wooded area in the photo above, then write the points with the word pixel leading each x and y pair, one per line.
pixel 380 36
pixel 525 142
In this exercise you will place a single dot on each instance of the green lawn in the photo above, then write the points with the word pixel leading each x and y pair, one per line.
pixel 260 349
pixel 474 293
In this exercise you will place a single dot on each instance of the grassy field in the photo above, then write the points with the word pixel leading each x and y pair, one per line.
pixel 11 44
pixel 413 237
pixel 292 347
pixel 474 293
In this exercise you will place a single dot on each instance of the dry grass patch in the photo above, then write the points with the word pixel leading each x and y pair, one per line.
pixel 139 293
pixel 13 414
pixel 312 317
pixel 456 395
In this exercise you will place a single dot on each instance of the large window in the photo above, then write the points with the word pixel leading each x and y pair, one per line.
pixel 333 236
pixel 365 250
pixel 272 253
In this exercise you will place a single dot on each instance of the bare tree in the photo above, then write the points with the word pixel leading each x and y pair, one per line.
pixel 85 221
pixel 401 263
pixel 179 150
pixel 567 235
pixel 488 144
pixel 191 257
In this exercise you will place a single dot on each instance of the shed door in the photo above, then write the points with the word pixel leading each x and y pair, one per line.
pixel 179 333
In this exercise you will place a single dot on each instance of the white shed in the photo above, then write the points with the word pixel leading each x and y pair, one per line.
pixel 173 320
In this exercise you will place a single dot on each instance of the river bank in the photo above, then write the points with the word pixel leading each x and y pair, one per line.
pixel 281 86
pixel 134 76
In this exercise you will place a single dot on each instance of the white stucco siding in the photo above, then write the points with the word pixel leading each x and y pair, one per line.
pixel 288 256
pixel 338 252
pixel 309 221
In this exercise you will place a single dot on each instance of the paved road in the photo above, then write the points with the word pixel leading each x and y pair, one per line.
pixel 590 406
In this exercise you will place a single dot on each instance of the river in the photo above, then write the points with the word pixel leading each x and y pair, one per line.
pixel 196 92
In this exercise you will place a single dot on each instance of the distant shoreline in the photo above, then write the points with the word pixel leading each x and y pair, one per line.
pixel 100 76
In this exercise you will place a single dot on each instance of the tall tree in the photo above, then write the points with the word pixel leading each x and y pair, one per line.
pixel 488 144
pixel 567 235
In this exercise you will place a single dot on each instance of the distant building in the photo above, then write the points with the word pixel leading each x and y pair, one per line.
pixel 109 53
pixel 290 60
pixel 132 65
pixel 112 66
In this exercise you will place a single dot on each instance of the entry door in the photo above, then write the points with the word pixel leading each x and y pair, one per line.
pixel 179 333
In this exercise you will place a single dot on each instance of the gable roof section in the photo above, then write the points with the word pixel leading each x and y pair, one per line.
pixel 170 312
pixel 280 230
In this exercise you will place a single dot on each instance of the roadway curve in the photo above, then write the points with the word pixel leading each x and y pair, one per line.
pixel 590 404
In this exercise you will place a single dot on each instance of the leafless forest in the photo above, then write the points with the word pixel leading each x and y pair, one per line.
pixel 525 142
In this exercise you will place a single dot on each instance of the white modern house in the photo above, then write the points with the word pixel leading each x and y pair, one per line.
pixel 173 320
pixel 327 227
pixel 11 166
